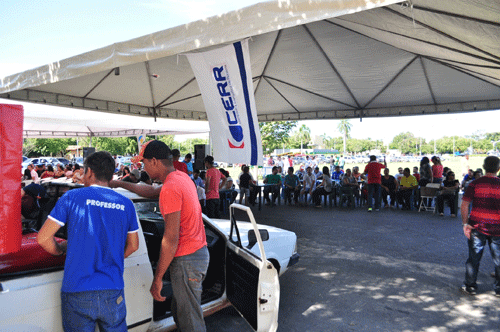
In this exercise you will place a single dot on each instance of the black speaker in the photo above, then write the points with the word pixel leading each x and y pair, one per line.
pixel 200 152
pixel 87 152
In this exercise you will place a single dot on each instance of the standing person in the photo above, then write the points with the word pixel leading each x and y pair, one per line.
pixel 290 161
pixel 425 172
pixel 189 164
pixel 280 164
pixel 416 174
pixel 374 180
pixel 437 170
pixel 389 185
pixel 212 185
pixel 483 224
pixel 178 165
pixel 184 245
pixel 341 162
pixel 102 230
pixel 244 181
pixel 34 174
pixel 292 185
pixel 325 187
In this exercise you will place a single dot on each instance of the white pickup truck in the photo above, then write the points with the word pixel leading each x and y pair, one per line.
pixel 245 260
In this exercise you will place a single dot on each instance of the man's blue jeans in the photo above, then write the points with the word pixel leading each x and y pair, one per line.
pixel 82 310
pixel 476 244
pixel 374 189
pixel 187 274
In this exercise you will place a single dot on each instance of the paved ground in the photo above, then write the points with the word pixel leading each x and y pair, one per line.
pixel 383 271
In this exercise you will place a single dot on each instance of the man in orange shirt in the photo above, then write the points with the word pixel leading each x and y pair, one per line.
pixel 178 165
pixel 184 246
pixel 372 170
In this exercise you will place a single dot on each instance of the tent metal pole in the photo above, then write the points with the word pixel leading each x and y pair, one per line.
pixel 160 104
pixel 95 86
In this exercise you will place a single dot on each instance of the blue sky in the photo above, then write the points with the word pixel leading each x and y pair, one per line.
pixel 34 33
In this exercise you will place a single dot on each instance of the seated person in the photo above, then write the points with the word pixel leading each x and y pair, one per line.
pixel 400 174
pixel 40 168
pixel 275 179
pixel 318 174
pixel 467 179
pixel 253 191
pixel 228 186
pixel 133 177
pixel 357 175
pixel 26 175
pixel 59 171
pixel 389 186
pixel 301 173
pixel 325 187
pixel 245 179
pixel 292 186
pixel 416 173
pixel 308 184
pixel 449 189
pixel 407 185
pixel 68 173
pixel 30 200
pixel 145 178
pixel 49 173
pixel 350 183
pixel 337 174
pixel 200 187
pixel 125 172
pixel 77 174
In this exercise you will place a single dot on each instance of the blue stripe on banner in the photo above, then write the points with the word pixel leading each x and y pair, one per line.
pixel 243 75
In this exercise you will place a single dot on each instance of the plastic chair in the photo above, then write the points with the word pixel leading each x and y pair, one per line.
pixel 347 194
pixel 430 191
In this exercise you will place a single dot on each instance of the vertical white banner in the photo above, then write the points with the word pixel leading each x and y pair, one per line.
pixel 225 82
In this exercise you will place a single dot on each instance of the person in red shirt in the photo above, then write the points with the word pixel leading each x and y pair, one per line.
pixel 374 180
pixel 290 161
pixel 437 170
pixel 178 165
pixel 483 224
pixel 184 246
pixel 416 174
pixel 212 185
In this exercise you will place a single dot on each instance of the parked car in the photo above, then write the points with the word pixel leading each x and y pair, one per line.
pixel 245 260
pixel 63 161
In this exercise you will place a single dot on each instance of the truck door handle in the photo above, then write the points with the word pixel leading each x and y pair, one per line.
pixel 3 290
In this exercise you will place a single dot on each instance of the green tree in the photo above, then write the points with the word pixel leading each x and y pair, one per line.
pixel 47 146
pixel 344 128
pixel 404 142
pixel 304 135
pixel 275 134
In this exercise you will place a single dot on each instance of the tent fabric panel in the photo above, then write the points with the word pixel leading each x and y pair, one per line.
pixel 409 88
pixel 354 56
pixel 301 63
pixel 268 101
pixel 458 87
pixel 250 21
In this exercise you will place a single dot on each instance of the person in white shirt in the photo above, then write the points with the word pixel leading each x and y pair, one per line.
pixel 308 162
pixel 317 173
pixel 308 185
pixel 34 174
pixel 399 175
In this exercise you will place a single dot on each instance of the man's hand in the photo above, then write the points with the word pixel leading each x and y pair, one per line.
pixel 155 290
pixel 467 230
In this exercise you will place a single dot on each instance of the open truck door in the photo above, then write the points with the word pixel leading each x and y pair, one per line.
pixel 252 283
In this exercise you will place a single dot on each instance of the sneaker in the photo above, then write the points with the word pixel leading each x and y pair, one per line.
pixel 441 214
pixel 470 290
pixel 377 210
pixel 318 206
pixel 453 216
pixel 369 209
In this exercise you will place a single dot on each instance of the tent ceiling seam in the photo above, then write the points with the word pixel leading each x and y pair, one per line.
pixel 427 79
pixel 308 91
pixel 331 65
pixel 184 99
pixel 465 63
pixel 281 95
pixel 391 81
pixel 268 59
pixel 436 11
pixel 150 77
pixel 412 38
pixel 160 104
pixel 441 33
pixel 98 83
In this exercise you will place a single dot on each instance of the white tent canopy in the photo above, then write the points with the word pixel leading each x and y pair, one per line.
pixel 310 60
pixel 52 122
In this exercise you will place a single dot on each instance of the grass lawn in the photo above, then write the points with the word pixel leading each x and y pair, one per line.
pixel 454 163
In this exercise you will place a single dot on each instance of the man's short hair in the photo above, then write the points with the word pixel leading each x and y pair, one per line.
pixel 196 171
pixel 209 159
pixel 491 164
pixel 189 156
pixel 406 170
pixel 153 149
pixel 274 167
pixel 373 158
pixel 102 164
pixel 290 169
pixel 176 153
pixel 246 169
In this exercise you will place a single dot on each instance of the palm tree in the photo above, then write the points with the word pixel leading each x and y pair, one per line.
pixel 304 135
pixel 344 128
pixel 326 140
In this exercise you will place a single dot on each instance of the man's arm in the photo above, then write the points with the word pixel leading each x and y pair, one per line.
pixel 464 211
pixel 46 238
pixel 132 243
pixel 168 249
pixel 141 189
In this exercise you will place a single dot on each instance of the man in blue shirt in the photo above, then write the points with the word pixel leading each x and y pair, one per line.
pixel 102 230
pixel 189 164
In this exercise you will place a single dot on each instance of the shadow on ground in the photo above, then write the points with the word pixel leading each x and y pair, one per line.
pixel 382 271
